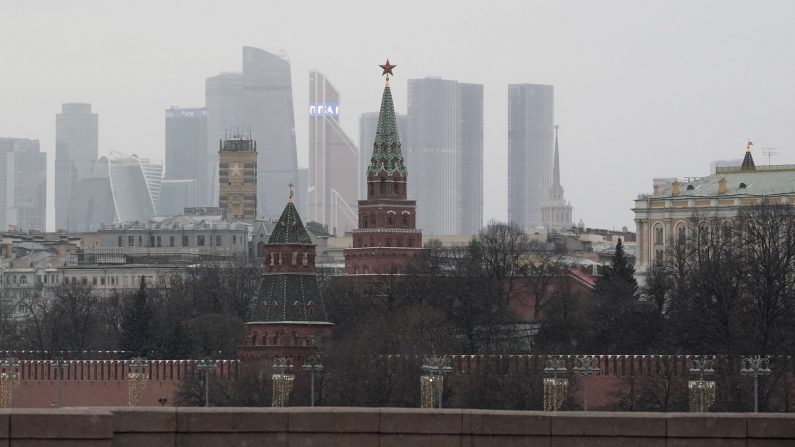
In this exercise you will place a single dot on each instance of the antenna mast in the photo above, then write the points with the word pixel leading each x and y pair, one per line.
pixel 770 152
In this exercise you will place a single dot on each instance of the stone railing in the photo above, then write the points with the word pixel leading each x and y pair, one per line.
pixel 365 427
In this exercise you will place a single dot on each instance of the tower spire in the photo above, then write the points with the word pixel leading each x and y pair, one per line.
pixel 556 168
pixel 748 160
pixel 387 155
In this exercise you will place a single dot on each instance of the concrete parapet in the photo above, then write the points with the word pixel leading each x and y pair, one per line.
pixel 381 427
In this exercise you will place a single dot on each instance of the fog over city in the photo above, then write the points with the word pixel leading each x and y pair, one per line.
pixel 642 89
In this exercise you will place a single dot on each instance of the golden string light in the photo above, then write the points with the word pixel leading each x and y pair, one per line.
pixel 555 393
pixel 702 395
pixel 282 386
pixel 9 381
pixel 136 381
pixel 430 386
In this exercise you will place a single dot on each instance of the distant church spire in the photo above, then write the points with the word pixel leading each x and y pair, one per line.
pixel 387 155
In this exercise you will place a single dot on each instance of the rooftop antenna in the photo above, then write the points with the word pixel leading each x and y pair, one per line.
pixel 770 152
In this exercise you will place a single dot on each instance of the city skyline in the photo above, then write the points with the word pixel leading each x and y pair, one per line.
pixel 683 86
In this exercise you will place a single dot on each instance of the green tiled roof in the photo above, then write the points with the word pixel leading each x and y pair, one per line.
pixel 289 229
pixel 387 155
pixel 760 181
pixel 290 297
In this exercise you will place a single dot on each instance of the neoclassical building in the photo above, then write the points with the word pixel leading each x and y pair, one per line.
pixel 662 216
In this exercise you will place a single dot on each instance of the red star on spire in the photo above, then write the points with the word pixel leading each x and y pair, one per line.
pixel 387 67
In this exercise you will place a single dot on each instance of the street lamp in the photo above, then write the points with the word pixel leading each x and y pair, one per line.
pixel 432 381
pixel 756 366
pixel 702 392
pixel 555 388
pixel 60 364
pixel 136 380
pixel 584 366
pixel 282 382
pixel 313 366
pixel 206 365
pixel 9 380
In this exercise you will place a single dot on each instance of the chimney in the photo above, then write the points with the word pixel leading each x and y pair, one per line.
pixel 675 188
pixel 722 186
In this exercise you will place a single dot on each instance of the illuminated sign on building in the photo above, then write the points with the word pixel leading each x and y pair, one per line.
pixel 327 109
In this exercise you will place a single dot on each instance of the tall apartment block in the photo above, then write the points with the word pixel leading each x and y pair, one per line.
pixel 237 174
pixel 531 127
pixel 186 149
pixel 333 159
pixel 23 185
pixel 76 151
pixel 368 124
pixel 445 154
pixel 257 102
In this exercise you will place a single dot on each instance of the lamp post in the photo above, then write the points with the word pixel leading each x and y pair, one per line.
pixel 432 382
pixel 702 392
pixel 60 364
pixel 756 366
pixel 554 388
pixel 206 365
pixel 312 366
pixel 9 379
pixel 584 366
pixel 282 383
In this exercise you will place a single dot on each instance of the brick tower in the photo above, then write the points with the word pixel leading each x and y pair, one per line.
pixel 387 240
pixel 290 316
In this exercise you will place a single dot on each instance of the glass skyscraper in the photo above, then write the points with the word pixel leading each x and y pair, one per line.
pixel 186 150
pixel 76 151
pixel 333 159
pixel 531 127
pixel 23 185
pixel 445 154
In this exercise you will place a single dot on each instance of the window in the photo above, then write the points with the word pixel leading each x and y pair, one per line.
pixel 364 221
pixel 94 280
pixel 171 241
pixel 140 241
pixel 295 258
pixel 121 241
pixel 159 242
pixel 680 232
pixel 130 241
pixel 200 240
pixel 23 279
pixel 389 220
pixel 383 185
pixel 658 234
pixel 234 239
pixel 218 240
pixel 405 220
pixel 102 281
pixel 184 240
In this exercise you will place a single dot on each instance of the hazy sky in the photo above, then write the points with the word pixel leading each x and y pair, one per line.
pixel 643 89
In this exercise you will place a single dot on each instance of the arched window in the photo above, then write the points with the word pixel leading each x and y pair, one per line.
pixel 260 249
pixel 389 219
pixel 295 258
pixel 658 234
pixel 681 232
pixel 405 220
pixel 305 260
pixel 364 221
pixel 383 186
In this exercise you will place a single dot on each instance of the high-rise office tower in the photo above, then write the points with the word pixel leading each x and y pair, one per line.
pixel 258 103
pixel 237 174
pixel 224 106
pixel 268 116
pixel 76 151
pixel 445 152
pixel 531 121
pixel 23 184
pixel 119 188
pixel 186 149
pixel 470 160
pixel 368 123
pixel 333 159
pixel 556 212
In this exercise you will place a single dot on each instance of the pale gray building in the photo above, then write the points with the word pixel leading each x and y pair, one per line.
pixel 224 107
pixel 531 127
pixel 23 185
pixel 186 149
pixel 76 151
pixel 445 155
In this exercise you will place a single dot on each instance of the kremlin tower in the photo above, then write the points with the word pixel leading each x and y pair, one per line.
pixel 387 240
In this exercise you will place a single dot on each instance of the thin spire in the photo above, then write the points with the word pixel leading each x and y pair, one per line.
pixel 387 154
pixel 556 168
pixel 290 197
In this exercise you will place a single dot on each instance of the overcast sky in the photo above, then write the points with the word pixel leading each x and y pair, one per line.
pixel 643 89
